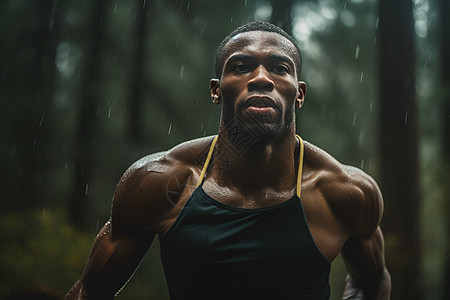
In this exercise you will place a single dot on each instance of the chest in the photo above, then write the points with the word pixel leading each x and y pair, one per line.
pixel 211 240
pixel 250 199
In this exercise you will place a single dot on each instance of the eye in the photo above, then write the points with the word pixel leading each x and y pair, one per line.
pixel 281 69
pixel 241 68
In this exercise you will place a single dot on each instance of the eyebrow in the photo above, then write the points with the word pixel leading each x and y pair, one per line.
pixel 283 58
pixel 239 57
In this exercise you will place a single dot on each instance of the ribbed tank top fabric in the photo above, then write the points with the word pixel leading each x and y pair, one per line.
pixel 217 251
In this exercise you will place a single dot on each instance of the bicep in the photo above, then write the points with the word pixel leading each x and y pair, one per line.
pixel 113 260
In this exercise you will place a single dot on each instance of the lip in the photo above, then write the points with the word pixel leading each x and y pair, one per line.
pixel 260 101
pixel 260 104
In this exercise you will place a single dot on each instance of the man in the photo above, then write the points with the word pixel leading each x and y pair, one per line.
pixel 227 209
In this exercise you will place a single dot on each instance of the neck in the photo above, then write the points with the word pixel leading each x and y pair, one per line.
pixel 248 163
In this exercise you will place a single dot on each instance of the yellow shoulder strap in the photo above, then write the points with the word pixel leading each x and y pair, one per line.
pixel 300 167
pixel 208 159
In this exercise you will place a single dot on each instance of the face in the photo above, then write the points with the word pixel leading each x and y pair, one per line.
pixel 259 84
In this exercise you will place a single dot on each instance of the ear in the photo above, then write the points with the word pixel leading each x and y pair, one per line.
pixel 301 94
pixel 214 85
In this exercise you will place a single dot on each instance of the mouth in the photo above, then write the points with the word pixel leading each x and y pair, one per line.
pixel 260 104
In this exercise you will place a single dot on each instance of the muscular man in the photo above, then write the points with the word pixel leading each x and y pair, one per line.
pixel 252 213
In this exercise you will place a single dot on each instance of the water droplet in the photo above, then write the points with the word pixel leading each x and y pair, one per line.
pixel 357 52
pixel 182 72
pixel 196 103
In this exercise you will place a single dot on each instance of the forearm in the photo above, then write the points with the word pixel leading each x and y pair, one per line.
pixel 74 292
pixel 79 292
pixel 375 288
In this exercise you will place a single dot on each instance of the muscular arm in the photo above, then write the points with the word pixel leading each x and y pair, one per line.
pixel 364 258
pixel 112 261
pixel 138 207
pixel 363 253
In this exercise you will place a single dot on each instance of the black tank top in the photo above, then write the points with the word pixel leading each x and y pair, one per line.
pixel 216 251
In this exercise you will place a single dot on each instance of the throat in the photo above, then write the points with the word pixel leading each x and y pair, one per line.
pixel 261 168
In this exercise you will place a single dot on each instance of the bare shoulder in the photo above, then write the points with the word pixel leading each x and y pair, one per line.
pixel 141 200
pixel 352 195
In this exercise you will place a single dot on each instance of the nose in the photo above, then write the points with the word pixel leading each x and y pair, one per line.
pixel 260 80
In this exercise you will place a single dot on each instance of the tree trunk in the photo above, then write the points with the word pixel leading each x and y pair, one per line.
pixel 35 128
pixel 399 147
pixel 281 14
pixel 445 109
pixel 135 100
pixel 86 119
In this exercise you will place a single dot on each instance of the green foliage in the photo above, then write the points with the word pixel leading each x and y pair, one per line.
pixel 42 249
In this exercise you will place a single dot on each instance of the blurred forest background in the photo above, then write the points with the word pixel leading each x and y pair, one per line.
pixel 88 87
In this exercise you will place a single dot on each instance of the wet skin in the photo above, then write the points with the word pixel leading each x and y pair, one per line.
pixel 258 88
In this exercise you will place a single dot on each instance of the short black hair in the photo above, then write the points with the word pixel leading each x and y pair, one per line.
pixel 254 26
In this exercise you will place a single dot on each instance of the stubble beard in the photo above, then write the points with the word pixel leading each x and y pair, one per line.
pixel 260 127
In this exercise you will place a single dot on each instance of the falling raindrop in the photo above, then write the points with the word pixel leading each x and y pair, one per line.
pixel 362 164
pixel 109 113
pixel 196 103
pixel 354 119
pixel 115 8
pixel 42 120
pixel 187 6
pixel 357 52
pixel 34 144
pixel 370 105
pixel 245 3
pixel 182 72
pixel 361 77
pixel 406 117
pixel 86 190
pixel 231 19
pixel 170 129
